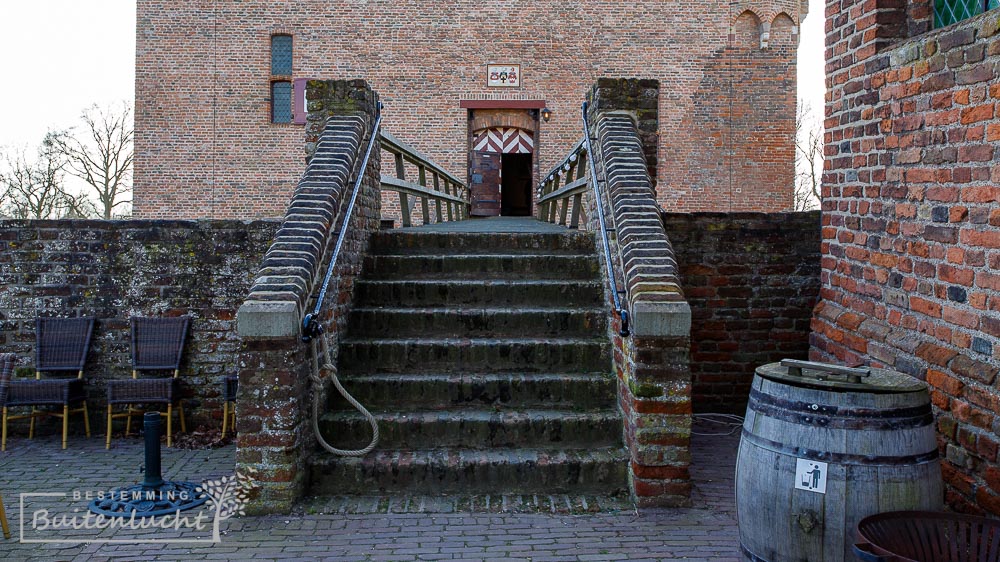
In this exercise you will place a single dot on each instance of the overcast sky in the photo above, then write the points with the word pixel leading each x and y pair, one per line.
pixel 61 56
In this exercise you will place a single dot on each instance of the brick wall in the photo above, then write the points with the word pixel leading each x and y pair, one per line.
pixel 113 270
pixel 205 147
pixel 274 406
pixel 752 280
pixel 911 226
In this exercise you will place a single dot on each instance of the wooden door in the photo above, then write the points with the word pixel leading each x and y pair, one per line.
pixel 484 176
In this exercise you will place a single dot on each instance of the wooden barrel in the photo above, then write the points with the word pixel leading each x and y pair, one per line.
pixel 819 452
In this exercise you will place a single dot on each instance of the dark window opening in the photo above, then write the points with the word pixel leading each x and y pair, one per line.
pixel 281 101
pixel 947 12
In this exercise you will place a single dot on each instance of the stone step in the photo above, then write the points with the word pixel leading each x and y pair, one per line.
pixel 409 243
pixel 479 470
pixel 477 322
pixel 480 355
pixel 410 391
pixel 468 503
pixel 443 292
pixel 491 266
pixel 476 428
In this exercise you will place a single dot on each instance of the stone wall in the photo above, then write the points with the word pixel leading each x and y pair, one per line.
pixel 752 280
pixel 651 364
pixel 113 270
pixel 911 225
pixel 276 395
pixel 205 145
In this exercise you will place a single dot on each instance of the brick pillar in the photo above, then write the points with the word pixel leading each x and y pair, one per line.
pixel 653 364
pixel 641 99
pixel 274 404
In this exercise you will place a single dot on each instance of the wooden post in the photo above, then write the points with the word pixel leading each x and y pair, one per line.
pixel 437 202
pixel 404 203
pixel 577 203
pixel 422 180
pixel 450 205
pixel 554 204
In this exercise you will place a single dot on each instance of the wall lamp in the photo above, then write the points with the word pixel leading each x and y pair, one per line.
pixel 546 114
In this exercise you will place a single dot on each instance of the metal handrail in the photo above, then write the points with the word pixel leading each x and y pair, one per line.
pixel 599 203
pixel 311 326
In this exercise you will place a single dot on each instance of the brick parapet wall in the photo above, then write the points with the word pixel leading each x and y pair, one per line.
pixel 274 405
pixel 205 146
pixel 752 280
pixel 113 270
pixel 911 229
pixel 651 364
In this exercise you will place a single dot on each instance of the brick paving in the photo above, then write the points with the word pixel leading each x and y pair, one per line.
pixel 388 528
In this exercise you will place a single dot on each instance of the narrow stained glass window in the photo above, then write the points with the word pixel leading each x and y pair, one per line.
pixel 281 55
pixel 281 102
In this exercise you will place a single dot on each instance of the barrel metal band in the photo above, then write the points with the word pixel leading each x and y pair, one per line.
pixel 838 458
pixel 837 417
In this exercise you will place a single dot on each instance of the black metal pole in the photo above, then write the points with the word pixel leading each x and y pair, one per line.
pixel 151 427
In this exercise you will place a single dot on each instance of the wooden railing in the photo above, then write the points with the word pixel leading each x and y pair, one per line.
pixel 451 196
pixel 562 190
pixel 561 193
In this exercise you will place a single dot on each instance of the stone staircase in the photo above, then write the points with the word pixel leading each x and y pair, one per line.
pixel 486 360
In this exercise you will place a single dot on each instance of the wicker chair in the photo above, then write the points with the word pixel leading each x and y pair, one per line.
pixel 61 345
pixel 6 368
pixel 157 345
pixel 230 384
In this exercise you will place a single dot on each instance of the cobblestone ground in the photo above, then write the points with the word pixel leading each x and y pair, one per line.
pixel 377 528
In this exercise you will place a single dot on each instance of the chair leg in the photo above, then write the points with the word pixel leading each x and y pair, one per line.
pixel 180 414
pixel 225 417
pixel 65 424
pixel 170 423
pixel 107 443
pixel 3 441
pixel 31 426
pixel 86 418
pixel 128 421
pixel 3 521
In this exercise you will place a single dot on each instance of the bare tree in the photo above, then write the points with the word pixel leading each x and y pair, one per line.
pixel 101 155
pixel 808 158
pixel 35 190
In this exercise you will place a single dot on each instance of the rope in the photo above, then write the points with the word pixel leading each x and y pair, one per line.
pixel 314 376
pixel 732 421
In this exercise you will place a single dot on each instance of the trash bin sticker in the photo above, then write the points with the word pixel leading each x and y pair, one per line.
pixel 810 475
